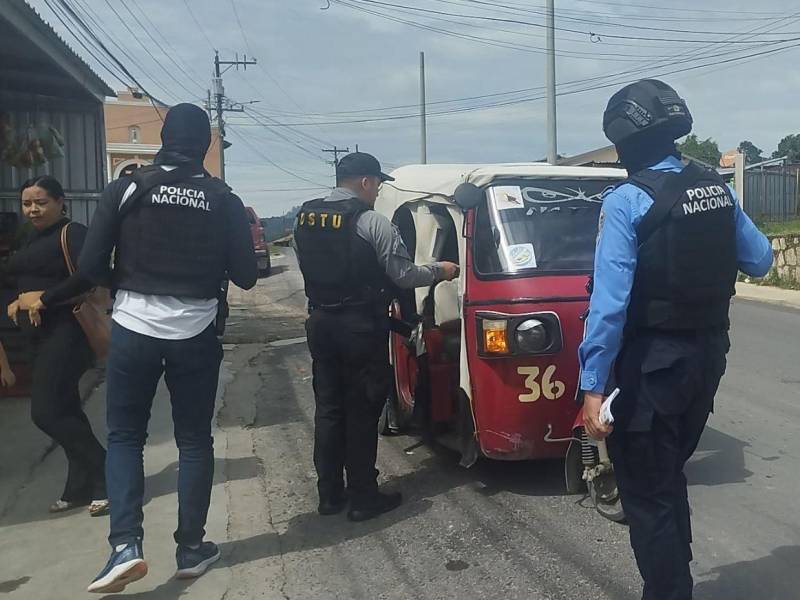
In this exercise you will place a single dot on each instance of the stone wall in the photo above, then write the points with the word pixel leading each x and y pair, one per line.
pixel 786 265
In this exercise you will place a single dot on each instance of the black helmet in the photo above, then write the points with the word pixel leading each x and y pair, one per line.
pixel 643 106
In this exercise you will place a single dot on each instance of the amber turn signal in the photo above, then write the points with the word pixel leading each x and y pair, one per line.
pixel 495 338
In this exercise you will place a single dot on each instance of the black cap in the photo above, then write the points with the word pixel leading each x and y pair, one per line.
pixel 360 164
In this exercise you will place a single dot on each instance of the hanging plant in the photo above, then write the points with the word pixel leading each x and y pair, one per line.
pixel 38 145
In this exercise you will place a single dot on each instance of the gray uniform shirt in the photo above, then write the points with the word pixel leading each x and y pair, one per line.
pixel 381 234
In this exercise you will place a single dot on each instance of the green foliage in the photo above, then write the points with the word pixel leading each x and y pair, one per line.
pixel 278 227
pixel 780 227
pixel 789 146
pixel 706 150
pixel 773 280
pixel 752 153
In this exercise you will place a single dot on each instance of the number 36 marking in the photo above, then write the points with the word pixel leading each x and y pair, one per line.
pixel 550 388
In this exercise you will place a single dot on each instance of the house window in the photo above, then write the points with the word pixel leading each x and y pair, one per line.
pixel 133 134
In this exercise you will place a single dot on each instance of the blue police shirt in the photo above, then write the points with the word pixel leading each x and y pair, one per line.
pixel 615 266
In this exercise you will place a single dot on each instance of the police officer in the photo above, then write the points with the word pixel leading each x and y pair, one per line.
pixel 175 233
pixel 671 242
pixel 351 257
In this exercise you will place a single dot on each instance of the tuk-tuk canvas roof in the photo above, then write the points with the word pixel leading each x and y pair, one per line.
pixel 437 183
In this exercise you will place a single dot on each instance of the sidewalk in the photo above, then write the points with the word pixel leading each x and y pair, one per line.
pixel 22 446
pixel 54 557
pixel 770 295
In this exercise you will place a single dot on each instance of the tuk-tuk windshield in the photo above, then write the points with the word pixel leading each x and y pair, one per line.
pixel 543 225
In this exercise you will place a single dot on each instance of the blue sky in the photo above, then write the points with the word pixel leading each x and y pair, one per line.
pixel 324 76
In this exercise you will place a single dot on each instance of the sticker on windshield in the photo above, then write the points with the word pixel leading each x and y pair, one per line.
pixel 507 197
pixel 522 256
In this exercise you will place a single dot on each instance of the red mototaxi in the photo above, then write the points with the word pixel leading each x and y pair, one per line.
pixel 492 362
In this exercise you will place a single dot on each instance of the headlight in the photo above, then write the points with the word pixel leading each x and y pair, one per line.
pixel 495 336
pixel 531 336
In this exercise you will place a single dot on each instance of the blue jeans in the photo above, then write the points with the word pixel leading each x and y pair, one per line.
pixel 191 372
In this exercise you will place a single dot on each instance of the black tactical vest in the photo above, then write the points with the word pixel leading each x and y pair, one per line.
pixel 687 265
pixel 339 268
pixel 173 236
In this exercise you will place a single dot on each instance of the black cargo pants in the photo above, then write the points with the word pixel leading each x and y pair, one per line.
pixel 351 373
pixel 668 383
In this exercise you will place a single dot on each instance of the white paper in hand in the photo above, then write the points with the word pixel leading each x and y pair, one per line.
pixel 606 417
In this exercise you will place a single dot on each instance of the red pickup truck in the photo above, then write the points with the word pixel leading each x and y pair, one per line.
pixel 259 243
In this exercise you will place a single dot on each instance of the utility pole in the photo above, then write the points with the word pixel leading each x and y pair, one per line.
pixel 552 140
pixel 336 151
pixel 423 159
pixel 222 103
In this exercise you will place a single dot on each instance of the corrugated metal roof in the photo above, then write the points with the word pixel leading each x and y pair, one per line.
pixel 99 86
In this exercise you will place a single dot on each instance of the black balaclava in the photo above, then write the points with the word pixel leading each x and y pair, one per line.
pixel 185 135
pixel 646 149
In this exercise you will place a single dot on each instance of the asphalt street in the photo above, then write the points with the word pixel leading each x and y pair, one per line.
pixel 498 530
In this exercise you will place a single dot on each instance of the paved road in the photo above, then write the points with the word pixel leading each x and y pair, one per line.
pixel 499 530
pixel 504 530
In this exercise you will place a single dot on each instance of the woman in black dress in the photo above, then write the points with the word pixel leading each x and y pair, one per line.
pixel 61 352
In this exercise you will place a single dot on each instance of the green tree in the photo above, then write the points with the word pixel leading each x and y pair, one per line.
pixel 705 150
pixel 789 146
pixel 752 153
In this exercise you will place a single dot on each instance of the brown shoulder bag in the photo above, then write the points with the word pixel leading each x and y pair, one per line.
pixel 93 309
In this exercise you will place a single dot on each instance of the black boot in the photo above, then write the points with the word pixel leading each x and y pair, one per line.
pixel 332 506
pixel 374 506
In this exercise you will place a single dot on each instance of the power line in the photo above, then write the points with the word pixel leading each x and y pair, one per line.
pixel 561 93
pixel 266 72
pixel 102 46
pixel 199 25
pixel 672 8
pixel 310 138
pixel 526 5
pixel 594 56
pixel 146 49
pixel 93 17
pixel 84 43
pixel 261 93
pixel 506 9
pixel 273 163
pixel 565 15
pixel 302 148
pixel 250 50
pixel 136 123
pixel 164 39
pixel 664 60
pixel 492 42
pixel 480 40
pixel 564 29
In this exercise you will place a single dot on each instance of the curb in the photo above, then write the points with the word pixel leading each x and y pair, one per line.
pixel 768 295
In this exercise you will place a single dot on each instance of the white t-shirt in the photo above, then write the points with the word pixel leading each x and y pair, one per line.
pixel 163 317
